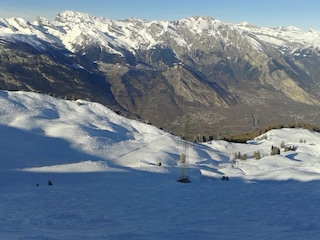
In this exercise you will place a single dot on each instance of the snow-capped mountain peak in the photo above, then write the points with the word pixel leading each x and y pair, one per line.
pixel 75 17
pixel 82 28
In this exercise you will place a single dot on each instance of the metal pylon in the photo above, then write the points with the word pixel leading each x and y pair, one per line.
pixel 184 157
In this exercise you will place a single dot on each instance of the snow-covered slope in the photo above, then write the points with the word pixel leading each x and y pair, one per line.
pixel 107 183
pixel 88 130
pixel 91 133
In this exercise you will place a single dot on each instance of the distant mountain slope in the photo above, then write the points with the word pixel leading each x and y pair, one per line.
pixel 220 74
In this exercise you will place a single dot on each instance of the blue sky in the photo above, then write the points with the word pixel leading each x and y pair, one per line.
pixel 304 14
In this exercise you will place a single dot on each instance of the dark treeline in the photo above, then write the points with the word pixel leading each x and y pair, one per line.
pixel 244 137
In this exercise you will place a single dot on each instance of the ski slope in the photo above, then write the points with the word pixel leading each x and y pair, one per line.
pixel 107 183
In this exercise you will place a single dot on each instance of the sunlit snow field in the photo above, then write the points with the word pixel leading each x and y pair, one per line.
pixel 107 183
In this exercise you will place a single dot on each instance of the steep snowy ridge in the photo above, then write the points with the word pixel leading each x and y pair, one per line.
pixel 285 37
pixel 75 29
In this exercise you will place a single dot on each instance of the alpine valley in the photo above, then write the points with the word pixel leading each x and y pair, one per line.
pixel 225 77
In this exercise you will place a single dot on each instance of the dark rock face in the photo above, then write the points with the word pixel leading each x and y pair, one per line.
pixel 226 78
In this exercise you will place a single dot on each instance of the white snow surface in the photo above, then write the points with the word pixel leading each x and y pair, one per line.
pixel 107 182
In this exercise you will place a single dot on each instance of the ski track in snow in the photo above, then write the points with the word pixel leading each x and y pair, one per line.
pixel 107 185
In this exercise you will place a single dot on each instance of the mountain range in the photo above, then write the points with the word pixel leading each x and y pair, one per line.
pixel 224 77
